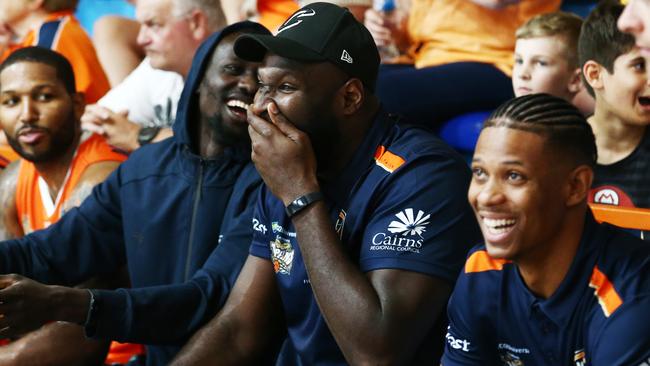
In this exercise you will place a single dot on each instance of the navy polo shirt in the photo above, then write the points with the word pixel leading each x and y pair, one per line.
pixel 400 203
pixel 599 315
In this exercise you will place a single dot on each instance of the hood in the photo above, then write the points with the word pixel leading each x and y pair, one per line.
pixel 189 97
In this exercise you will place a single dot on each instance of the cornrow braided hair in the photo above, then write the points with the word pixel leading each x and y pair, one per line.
pixel 558 120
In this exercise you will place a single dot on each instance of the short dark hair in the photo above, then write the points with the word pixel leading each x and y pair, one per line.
pixel 600 40
pixel 564 127
pixel 48 57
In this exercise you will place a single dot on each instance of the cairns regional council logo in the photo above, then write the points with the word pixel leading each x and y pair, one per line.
pixel 404 234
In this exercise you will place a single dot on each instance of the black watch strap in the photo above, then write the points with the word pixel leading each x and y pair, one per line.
pixel 147 134
pixel 302 202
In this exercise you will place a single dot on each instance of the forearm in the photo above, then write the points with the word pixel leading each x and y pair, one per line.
pixel 353 309
pixel 143 315
pixel 54 344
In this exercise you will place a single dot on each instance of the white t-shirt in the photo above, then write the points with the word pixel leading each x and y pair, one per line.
pixel 150 95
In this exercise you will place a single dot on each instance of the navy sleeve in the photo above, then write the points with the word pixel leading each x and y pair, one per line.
pixel 87 241
pixel 262 233
pixel 170 313
pixel 462 341
pixel 424 222
pixel 625 338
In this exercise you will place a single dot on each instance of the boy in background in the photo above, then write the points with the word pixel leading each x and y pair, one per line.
pixel 546 59
pixel 615 72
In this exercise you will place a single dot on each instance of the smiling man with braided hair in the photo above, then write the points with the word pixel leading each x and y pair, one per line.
pixel 550 286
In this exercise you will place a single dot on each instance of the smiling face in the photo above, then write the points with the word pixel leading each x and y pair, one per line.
pixel 541 66
pixel 305 94
pixel 626 91
pixel 518 192
pixel 37 113
pixel 227 89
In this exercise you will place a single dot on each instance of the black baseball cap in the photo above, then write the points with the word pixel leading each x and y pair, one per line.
pixel 319 32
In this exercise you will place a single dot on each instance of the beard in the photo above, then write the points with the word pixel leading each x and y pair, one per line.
pixel 226 135
pixel 60 142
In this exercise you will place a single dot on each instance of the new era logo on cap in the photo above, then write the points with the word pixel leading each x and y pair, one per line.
pixel 346 57
pixel 319 32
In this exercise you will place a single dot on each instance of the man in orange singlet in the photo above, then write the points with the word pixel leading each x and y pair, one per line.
pixel 40 112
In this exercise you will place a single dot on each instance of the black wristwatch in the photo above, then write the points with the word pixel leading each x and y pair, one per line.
pixel 147 134
pixel 301 202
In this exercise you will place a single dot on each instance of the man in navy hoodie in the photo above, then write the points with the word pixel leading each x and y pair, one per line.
pixel 177 213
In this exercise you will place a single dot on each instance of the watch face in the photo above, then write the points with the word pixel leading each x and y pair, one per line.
pixel 146 134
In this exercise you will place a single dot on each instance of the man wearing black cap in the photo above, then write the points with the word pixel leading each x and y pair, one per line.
pixel 363 224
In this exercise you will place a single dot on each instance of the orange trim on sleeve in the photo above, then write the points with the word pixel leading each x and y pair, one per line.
pixel 480 261
pixel 605 292
pixel 387 160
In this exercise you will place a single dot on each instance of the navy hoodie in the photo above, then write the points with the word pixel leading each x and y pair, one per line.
pixel 181 223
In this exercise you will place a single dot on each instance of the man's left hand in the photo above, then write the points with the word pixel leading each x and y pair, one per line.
pixel 283 155
pixel 25 305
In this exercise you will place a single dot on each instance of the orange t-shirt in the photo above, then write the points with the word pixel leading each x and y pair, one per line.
pixel 458 30
pixel 61 32
pixel 30 206
pixel 7 155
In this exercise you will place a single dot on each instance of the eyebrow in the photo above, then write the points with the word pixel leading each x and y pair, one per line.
pixel 506 162
pixel 36 87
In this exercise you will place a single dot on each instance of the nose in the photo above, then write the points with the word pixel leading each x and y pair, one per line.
pixel 523 71
pixel 248 82
pixel 488 194
pixel 143 37
pixel 28 112
pixel 629 21
pixel 260 102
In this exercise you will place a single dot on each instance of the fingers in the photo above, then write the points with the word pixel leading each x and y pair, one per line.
pixel 281 122
pixel 258 125
pixel 376 24
pixel 91 127
pixel 8 280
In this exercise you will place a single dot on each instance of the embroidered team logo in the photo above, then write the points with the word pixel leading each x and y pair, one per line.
pixel 295 19
pixel 409 224
pixel 282 255
pixel 510 359
pixel 340 224
pixel 580 358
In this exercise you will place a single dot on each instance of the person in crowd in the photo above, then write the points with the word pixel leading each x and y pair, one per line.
pixel 177 213
pixel 555 287
pixel 363 223
pixel 546 59
pixel 143 107
pixel 457 54
pixel 40 110
pixel 616 73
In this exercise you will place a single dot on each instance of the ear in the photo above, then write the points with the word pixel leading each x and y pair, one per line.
pixel 78 104
pixel 579 184
pixel 353 94
pixel 593 73
pixel 575 83
pixel 198 23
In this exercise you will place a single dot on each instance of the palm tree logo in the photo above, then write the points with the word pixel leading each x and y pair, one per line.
pixel 409 224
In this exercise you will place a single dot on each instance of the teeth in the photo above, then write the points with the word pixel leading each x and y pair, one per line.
pixel 237 104
pixel 501 224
